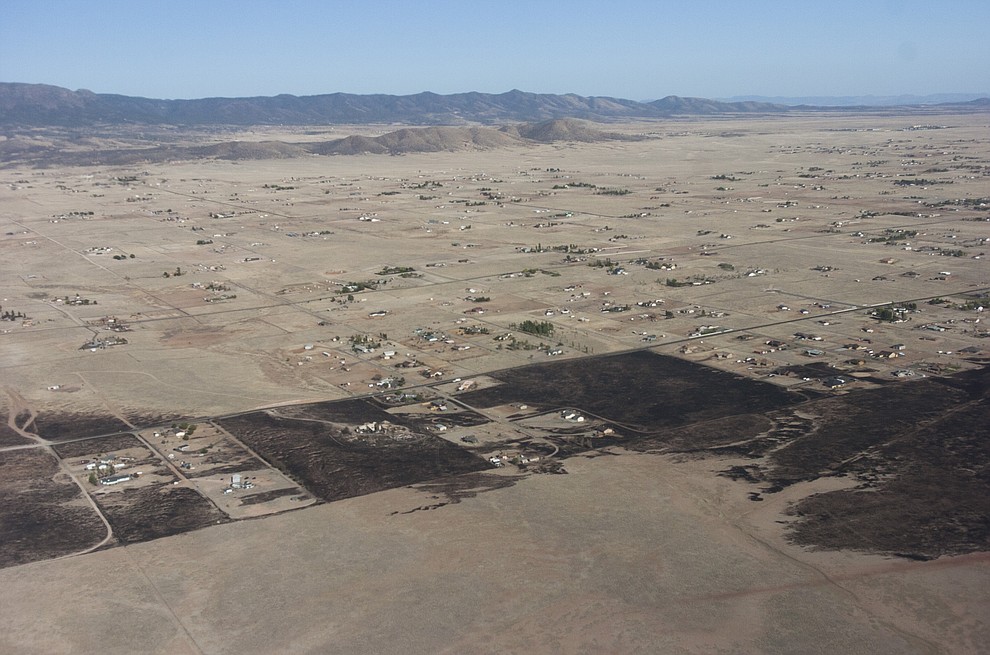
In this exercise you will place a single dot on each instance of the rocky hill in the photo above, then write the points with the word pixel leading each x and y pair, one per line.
pixel 562 129
pixel 42 151
pixel 424 139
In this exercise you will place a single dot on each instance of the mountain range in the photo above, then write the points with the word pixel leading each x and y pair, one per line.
pixel 45 105
pixel 863 101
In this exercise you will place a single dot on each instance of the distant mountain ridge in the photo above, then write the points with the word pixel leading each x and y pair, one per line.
pixel 863 101
pixel 45 105
pixel 41 105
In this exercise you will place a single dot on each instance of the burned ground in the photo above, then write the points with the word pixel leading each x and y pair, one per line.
pixel 97 445
pixel 352 411
pixel 919 451
pixel 266 496
pixel 848 429
pixel 452 490
pixel 10 437
pixel 727 436
pixel 43 514
pixel 922 492
pixel 61 426
pixel 641 390
pixel 334 463
pixel 145 513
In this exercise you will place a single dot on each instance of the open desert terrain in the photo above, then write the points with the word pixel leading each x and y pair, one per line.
pixel 709 385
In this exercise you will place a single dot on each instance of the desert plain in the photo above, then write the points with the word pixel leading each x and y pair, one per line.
pixel 683 386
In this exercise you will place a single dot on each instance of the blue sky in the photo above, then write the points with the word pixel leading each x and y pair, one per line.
pixel 631 49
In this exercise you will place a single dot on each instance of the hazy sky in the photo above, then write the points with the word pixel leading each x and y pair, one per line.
pixel 633 49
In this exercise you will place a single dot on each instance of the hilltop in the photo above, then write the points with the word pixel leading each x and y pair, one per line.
pixel 52 151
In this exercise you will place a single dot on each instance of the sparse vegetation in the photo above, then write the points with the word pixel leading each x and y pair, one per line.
pixel 396 270
pixel 537 328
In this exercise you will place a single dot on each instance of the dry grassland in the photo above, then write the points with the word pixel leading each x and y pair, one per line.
pixel 757 247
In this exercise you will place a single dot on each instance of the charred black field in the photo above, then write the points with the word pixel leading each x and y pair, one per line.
pixel 642 391
pixel 63 426
pixel 108 444
pixel 334 459
pixel 43 514
pixel 10 437
pixel 152 512
pixel 916 453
